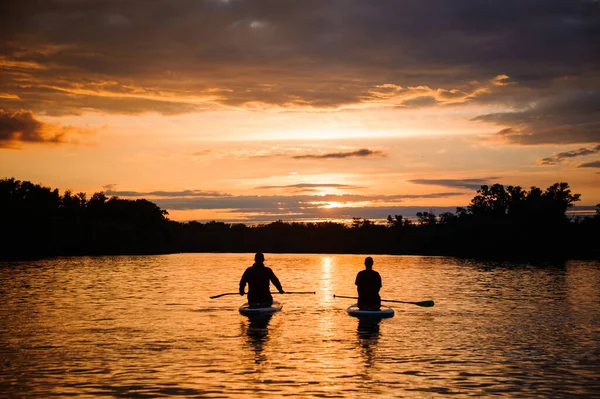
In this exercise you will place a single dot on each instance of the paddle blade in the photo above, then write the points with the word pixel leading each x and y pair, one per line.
pixel 425 304
pixel 227 293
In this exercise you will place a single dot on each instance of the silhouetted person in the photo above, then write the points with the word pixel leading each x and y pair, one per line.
pixel 368 283
pixel 258 276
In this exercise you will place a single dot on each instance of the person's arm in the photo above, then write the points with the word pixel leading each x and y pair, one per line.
pixel 243 282
pixel 276 283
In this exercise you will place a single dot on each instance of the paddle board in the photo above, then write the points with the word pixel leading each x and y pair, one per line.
pixel 383 312
pixel 246 310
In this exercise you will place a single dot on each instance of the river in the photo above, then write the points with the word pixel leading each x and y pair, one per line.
pixel 144 327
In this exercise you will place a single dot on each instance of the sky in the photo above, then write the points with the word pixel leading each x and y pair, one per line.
pixel 261 110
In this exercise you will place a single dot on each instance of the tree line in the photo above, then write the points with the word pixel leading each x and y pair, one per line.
pixel 499 222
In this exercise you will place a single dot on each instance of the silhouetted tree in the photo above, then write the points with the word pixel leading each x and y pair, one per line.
pixel 448 218
pixel 427 218
pixel 490 202
pixel 499 221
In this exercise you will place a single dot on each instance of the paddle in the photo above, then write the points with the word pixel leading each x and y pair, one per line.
pixel 227 293
pixel 296 292
pixel 285 293
pixel 425 304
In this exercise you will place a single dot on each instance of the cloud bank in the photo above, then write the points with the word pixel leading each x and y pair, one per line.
pixel 472 184
pixel 536 61
pixel 254 208
pixel 109 190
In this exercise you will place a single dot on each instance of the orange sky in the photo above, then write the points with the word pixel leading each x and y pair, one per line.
pixel 255 111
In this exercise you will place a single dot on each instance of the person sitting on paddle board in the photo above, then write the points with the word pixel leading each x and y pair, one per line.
pixel 257 277
pixel 368 283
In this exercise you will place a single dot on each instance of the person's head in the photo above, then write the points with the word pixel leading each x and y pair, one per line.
pixel 369 262
pixel 259 258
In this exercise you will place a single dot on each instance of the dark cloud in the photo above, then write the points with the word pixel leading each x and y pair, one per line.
pixel 473 184
pixel 22 127
pixel 74 101
pixel 563 119
pixel 66 57
pixel 298 207
pixel 184 193
pixel 422 101
pixel 364 152
pixel 577 153
pixel 547 161
pixel 295 203
pixel 560 156
pixel 593 164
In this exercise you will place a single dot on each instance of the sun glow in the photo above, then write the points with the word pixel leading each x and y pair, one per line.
pixel 334 205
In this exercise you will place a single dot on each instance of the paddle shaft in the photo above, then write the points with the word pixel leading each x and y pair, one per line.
pixel 237 293
pixel 296 292
pixel 426 304
pixel 227 293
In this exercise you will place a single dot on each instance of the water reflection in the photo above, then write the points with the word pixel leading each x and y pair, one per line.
pixel 256 330
pixel 122 327
pixel 368 338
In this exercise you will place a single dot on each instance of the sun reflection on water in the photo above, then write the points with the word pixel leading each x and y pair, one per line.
pixel 145 327
pixel 327 265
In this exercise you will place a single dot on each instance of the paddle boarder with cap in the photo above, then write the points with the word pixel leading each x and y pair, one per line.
pixel 258 277
pixel 368 283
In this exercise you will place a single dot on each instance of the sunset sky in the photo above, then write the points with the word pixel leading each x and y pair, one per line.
pixel 259 110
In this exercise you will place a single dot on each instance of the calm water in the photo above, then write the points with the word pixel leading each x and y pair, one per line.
pixel 144 327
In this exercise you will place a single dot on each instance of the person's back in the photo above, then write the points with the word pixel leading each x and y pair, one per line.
pixel 368 283
pixel 258 277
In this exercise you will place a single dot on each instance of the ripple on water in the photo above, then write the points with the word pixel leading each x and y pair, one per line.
pixel 145 327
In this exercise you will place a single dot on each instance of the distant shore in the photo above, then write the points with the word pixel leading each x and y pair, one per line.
pixel 500 223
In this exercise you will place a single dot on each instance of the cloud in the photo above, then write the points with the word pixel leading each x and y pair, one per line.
pixel 312 185
pixel 363 153
pixel 422 101
pixel 560 156
pixel 253 209
pixel 373 213
pixel 61 101
pixel 547 161
pixel 288 207
pixel 593 164
pixel 577 153
pixel 307 212
pixel 289 203
pixel 109 187
pixel 474 184
pixel 178 57
pixel 22 127
pixel 202 153
pixel 561 119
pixel 184 193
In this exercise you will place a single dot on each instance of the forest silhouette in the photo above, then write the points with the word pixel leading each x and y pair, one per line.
pixel 500 222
